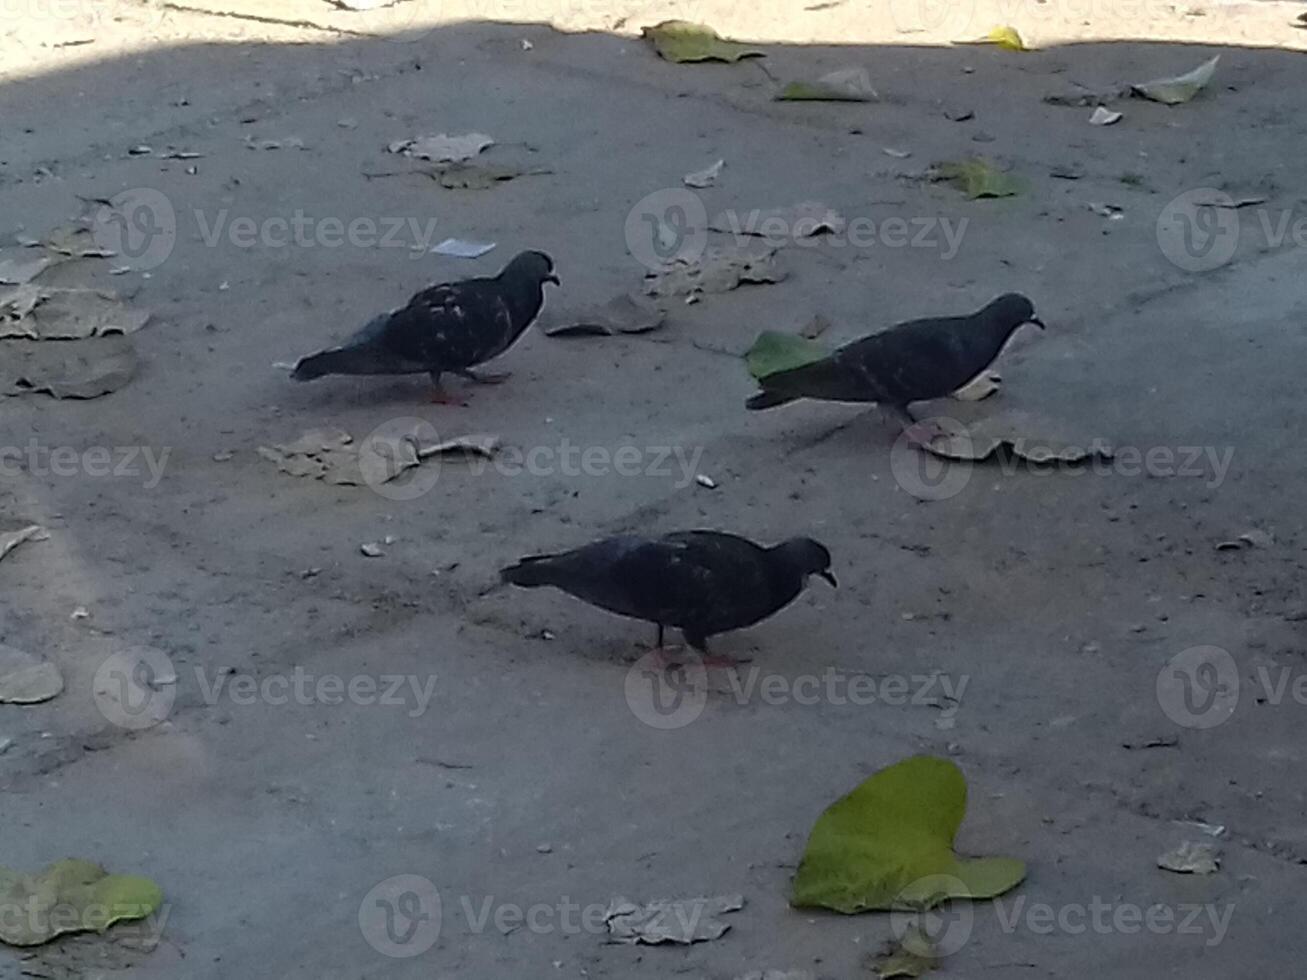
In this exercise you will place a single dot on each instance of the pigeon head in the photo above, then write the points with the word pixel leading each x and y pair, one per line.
pixel 535 267
pixel 807 557
pixel 1014 309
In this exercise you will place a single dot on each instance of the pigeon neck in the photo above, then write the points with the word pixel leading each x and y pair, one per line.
pixel 998 329
pixel 524 300
pixel 784 576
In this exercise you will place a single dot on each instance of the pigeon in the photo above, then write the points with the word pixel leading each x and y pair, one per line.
pixel 702 582
pixel 447 327
pixel 914 361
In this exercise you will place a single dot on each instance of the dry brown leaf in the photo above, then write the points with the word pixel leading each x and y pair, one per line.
pixel 74 369
pixel 9 540
pixel 706 177
pixel 442 148
pixel 31 684
pixel 22 265
pixel 472 445
pixel 1029 437
pixel 718 270
pixel 65 314
pixel 684 921
pixel 331 455
pixel 1191 858
pixel 621 314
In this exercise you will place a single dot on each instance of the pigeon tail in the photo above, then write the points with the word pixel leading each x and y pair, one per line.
pixel 825 379
pixel 529 572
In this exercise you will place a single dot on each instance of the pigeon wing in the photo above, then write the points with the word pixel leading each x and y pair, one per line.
pixel 452 325
pixel 923 359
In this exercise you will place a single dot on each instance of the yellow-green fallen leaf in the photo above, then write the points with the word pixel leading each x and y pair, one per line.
pixel 889 845
pixel 1181 88
pixel 845 85
pixel 909 959
pixel 774 351
pixel 1005 37
pixel 979 178
pixel 70 896
pixel 681 41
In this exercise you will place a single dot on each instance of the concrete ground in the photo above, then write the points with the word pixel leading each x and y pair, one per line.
pixel 1048 600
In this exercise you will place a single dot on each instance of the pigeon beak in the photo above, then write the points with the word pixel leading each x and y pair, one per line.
pixel 1037 322
pixel 830 577
pixel 554 279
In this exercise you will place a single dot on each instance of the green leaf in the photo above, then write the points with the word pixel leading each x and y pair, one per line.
pixel 979 178
pixel 774 351
pixel 889 845
pixel 70 896
pixel 681 41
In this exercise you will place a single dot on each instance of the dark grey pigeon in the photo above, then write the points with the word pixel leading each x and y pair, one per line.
pixel 449 327
pixel 914 361
pixel 702 582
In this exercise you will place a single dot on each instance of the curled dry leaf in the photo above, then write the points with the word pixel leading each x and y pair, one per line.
pixel 706 177
pixel 684 921
pixel 1179 89
pixel 442 148
pixel 9 540
pixel 1034 439
pixel 332 455
pixel 621 314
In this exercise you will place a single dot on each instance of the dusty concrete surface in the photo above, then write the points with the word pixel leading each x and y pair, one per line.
pixel 530 779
